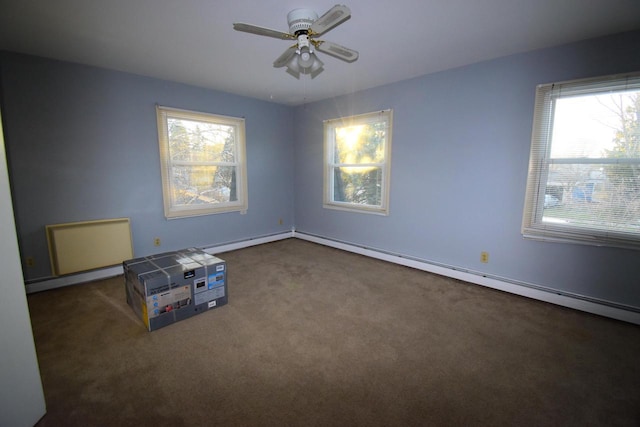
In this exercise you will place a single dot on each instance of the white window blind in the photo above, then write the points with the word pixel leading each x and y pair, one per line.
pixel 584 170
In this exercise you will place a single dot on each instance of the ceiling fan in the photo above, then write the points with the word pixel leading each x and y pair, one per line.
pixel 304 27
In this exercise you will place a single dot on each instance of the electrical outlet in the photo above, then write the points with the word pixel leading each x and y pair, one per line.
pixel 156 241
pixel 484 257
pixel 30 261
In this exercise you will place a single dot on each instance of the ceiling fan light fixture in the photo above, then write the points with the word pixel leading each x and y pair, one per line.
pixel 315 69
pixel 306 58
pixel 304 61
pixel 293 73
pixel 293 68
pixel 314 72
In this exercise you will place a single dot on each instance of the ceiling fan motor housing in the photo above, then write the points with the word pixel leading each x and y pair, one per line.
pixel 300 20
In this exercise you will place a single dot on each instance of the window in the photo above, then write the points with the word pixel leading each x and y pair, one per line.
pixel 357 159
pixel 202 161
pixel 584 169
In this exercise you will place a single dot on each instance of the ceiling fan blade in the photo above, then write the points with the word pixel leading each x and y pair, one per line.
pixel 334 16
pixel 261 31
pixel 340 52
pixel 285 57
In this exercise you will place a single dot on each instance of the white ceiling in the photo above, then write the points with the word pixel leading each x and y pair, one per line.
pixel 193 41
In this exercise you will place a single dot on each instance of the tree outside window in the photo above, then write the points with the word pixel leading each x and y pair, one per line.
pixel 357 156
pixel 203 165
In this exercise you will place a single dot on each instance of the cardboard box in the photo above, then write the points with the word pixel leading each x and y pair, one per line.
pixel 165 288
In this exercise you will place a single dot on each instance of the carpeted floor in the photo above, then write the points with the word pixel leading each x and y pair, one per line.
pixel 313 336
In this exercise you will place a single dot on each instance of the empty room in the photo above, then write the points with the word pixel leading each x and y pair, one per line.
pixel 314 214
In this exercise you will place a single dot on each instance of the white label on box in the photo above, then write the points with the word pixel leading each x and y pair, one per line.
pixel 210 295
pixel 212 303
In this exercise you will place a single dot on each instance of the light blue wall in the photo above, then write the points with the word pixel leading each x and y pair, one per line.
pixel 461 141
pixel 82 144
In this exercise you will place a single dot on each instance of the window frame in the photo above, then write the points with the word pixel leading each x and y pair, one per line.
pixel 329 165
pixel 533 226
pixel 173 211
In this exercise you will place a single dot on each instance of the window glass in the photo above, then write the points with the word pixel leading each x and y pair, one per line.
pixel 584 175
pixel 358 151
pixel 203 166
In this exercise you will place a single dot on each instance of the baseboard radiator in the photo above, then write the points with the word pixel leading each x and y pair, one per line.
pixel 590 305
pixel 81 246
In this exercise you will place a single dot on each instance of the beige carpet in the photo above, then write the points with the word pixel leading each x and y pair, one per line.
pixel 313 336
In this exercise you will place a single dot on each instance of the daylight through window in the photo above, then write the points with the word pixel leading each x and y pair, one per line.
pixel 357 159
pixel 203 163
pixel 584 172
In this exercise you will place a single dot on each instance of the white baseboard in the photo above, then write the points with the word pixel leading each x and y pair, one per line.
pixel 226 247
pixel 603 308
pixel 73 279
pixel 104 273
